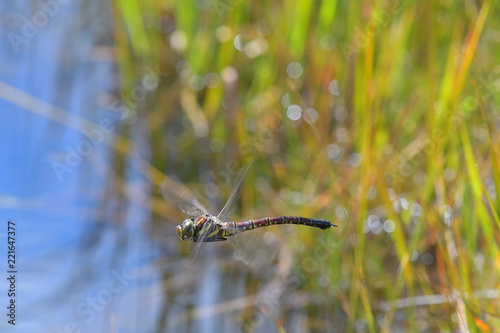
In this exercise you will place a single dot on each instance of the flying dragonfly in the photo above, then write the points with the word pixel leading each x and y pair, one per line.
pixel 205 227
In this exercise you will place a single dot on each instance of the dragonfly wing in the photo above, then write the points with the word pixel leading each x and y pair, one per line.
pixel 229 206
pixel 182 198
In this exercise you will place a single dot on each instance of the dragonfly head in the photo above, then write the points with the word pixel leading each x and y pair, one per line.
pixel 186 229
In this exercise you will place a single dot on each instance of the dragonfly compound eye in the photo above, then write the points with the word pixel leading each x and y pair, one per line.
pixel 186 230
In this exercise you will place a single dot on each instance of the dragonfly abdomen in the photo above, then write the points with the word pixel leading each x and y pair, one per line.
pixel 267 221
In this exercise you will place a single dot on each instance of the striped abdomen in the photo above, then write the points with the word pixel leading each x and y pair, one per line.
pixel 252 224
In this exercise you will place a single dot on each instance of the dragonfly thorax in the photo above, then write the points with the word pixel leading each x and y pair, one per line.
pixel 186 229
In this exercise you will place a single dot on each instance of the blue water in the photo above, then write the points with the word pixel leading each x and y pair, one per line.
pixel 72 248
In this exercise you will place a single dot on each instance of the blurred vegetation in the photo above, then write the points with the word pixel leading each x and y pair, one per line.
pixel 386 110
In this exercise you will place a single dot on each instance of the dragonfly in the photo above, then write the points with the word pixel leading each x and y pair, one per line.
pixel 205 227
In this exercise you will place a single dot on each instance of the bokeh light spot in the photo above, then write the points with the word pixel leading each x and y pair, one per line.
pixel 404 203
pixel 229 75
pixel 255 47
pixel 333 88
pixel 223 34
pixel 389 226
pixel 341 134
pixel 285 100
pixel 372 224
pixel 294 112
pixel 415 209
pixel 311 115
pixel 238 42
pixel 294 70
pixel 178 41
pixel 212 80
pixel 334 152
pixel 197 82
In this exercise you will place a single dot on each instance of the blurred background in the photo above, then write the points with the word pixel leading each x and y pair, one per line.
pixel 381 116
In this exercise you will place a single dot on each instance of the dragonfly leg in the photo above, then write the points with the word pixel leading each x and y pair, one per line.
pixel 219 239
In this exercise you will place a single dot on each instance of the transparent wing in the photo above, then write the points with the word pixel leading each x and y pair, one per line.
pixel 235 193
pixel 182 198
